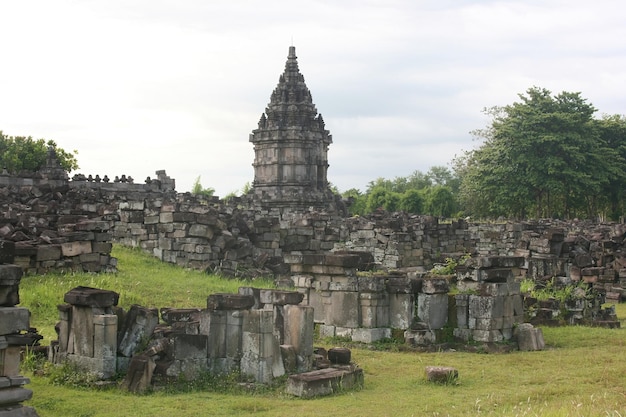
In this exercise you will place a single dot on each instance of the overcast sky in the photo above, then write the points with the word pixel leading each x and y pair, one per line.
pixel 138 86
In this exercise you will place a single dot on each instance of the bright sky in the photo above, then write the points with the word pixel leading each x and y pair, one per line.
pixel 138 86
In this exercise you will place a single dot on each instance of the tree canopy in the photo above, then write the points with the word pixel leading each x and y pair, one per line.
pixel 544 156
pixel 20 153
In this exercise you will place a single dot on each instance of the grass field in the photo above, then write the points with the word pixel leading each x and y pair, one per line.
pixel 582 372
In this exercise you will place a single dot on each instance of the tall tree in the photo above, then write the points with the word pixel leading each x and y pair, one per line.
pixel 542 156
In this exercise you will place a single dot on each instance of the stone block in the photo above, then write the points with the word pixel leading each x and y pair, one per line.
pixel 324 381
pixel 91 297
pixel 493 289
pixel 75 248
pixel 370 335
pixel 435 286
pixel 10 275
pixel 10 361
pixel 176 315
pixel 487 336
pixel 419 337
pixel 299 333
pixel 189 346
pixel 14 320
pixel 326 331
pixel 486 307
pixel 139 374
pixel 138 325
pixel 401 310
pixel 433 309
pixel 48 253
pixel 529 338
pixel 14 395
pixel 485 262
pixel 228 301
pixel 258 321
pixel 289 357
pixel 441 374
pixel 343 310
pixel 7 251
pixel 280 297
pixel 371 283
pixel 105 335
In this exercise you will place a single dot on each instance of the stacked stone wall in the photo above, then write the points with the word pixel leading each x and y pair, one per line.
pixel 58 224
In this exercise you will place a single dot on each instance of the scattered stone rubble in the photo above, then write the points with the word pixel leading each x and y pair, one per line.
pixel 259 333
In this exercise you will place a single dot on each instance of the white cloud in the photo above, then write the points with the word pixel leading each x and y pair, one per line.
pixel 137 86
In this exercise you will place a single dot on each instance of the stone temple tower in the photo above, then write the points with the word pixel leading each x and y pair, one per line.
pixel 291 146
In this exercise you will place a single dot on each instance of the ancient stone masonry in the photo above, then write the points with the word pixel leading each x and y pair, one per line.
pixel 260 333
pixel 15 333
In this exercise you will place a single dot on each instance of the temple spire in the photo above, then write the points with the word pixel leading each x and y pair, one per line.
pixel 291 144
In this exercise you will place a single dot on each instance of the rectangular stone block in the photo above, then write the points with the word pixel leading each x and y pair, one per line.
pixel 258 321
pixel 324 382
pixel 370 335
pixel 433 309
pixel 75 248
pixel 48 253
pixel 190 346
pixel 10 361
pixel 486 307
pixel 487 335
pixel 343 310
pixel 14 320
pixel 435 286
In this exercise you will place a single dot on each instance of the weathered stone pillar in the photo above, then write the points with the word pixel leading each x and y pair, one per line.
pixel 299 329
pixel 432 303
pixel 261 358
pixel 91 329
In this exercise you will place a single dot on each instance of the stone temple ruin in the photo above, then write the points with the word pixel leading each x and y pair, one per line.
pixel 364 278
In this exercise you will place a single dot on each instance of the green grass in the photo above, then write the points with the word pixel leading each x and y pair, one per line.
pixel 582 372
pixel 141 279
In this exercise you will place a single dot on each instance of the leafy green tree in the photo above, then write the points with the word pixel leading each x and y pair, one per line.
pixel 19 153
pixel 613 131
pixel 412 201
pixel 440 201
pixel 543 155
pixel 382 198
pixel 197 189
pixel 359 201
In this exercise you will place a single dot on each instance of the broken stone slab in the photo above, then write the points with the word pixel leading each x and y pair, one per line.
pixel 441 374
pixel 227 301
pixel 288 354
pixel 324 381
pixel 139 374
pixel 91 297
pixel 529 338
pixel 139 324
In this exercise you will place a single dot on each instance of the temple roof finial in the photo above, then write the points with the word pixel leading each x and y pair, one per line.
pixel 292 52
